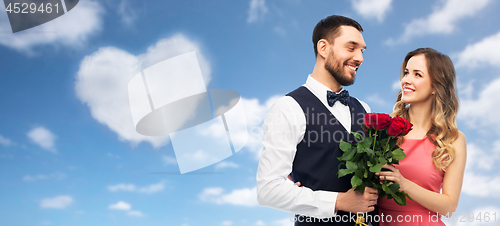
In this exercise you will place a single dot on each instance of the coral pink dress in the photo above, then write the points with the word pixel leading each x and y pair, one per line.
pixel 419 168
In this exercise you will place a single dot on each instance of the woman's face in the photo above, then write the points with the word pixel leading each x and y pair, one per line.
pixel 416 82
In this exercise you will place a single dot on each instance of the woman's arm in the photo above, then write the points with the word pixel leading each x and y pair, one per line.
pixel 447 202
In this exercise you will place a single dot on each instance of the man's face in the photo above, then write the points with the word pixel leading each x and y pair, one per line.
pixel 345 55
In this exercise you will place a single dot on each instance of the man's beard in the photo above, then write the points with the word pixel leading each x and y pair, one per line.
pixel 337 71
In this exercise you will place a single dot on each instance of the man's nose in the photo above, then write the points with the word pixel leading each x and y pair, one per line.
pixel 358 57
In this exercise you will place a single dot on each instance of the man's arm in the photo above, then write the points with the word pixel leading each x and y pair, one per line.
pixel 284 128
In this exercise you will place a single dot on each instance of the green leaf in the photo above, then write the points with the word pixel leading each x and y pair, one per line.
pixel 387 189
pixel 398 154
pixel 401 197
pixel 370 151
pixel 359 173
pixel 347 155
pixel 369 164
pixel 407 195
pixel 344 146
pixel 356 181
pixel 365 175
pixel 376 168
pixel 382 160
pixel 351 166
pixel 360 149
pixel 366 143
pixel 398 199
pixel 361 187
pixel 343 172
pixel 357 135
pixel 394 187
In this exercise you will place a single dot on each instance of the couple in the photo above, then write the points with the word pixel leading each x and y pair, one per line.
pixel 303 129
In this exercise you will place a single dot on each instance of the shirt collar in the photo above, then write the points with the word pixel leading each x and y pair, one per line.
pixel 317 88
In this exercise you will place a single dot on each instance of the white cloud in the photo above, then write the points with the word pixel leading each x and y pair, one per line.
pixel 33 178
pixel 238 197
pixel 135 213
pixel 372 9
pixel 484 52
pixel 376 99
pixel 396 85
pixel 73 29
pixel 482 158
pixel 443 20
pixel 480 178
pixel 481 185
pixel 226 164
pixel 111 155
pixel 102 83
pixel 481 215
pixel 255 113
pixel 127 13
pixel 284 222
pixel 5 142
pixel 257 11
pixel 43 137
pixel 152 188
pixel 227 223
pixel 122 187
pixel 279 30
pixel 487 118
pixel 260 223
pixel 121 205
pixel 169 160
pixel 59 202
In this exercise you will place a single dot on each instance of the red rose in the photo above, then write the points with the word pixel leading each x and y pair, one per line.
pixel 408 127
pixel 377 121
pixel 399 127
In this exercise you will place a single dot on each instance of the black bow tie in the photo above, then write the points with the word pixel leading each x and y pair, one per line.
pixel 332 97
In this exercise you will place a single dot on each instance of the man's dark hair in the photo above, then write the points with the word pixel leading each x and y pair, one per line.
pixel 328 29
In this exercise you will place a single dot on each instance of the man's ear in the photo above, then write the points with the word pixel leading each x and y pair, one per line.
pixel 323 46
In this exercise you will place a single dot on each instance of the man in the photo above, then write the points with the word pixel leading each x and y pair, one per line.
pixel 303 129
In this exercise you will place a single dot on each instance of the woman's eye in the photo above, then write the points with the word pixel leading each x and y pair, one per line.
pixel 405 73
pixel 418 75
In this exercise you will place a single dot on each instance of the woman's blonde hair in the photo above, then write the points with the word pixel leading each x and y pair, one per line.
pixel 443 131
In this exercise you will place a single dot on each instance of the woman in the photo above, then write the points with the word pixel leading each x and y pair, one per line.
pixel 435 148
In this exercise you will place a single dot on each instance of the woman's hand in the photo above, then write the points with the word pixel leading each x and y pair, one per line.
pixel 291 179
pixel 393 175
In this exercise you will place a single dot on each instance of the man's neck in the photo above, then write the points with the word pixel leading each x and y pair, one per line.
pixel 324 77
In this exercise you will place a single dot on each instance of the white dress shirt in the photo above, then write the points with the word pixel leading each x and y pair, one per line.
pixel 284 128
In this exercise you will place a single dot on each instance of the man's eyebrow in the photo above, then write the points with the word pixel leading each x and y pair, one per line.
pixel 356 44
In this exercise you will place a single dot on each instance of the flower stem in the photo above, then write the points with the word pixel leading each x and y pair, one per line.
pixel 374 140
pixel 388 139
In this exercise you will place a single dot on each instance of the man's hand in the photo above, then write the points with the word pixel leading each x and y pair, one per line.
pixel 355 201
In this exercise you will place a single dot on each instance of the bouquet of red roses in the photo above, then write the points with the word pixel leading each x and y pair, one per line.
pixel 366 157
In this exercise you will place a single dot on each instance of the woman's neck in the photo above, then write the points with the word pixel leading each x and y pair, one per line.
pixel 420 117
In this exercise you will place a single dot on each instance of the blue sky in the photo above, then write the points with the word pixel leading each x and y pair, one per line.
pixel 69 154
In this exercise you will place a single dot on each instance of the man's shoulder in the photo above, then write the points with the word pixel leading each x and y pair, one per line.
pixel 365 105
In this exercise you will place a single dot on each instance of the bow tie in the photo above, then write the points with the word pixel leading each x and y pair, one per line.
pixel 332 97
